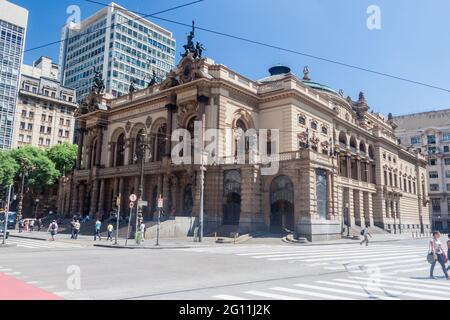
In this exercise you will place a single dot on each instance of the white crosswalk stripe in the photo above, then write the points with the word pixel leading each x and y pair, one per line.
pixel 40 244
pixel 389 259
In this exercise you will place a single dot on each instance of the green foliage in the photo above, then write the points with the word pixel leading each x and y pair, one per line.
pixel 63 156
pixel 8 168
pixel 39 170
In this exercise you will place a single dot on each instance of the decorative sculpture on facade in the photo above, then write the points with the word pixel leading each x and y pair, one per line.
pixel 98 86
pixel 306 74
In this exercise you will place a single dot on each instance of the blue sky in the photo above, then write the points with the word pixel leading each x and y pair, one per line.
pixel 412 42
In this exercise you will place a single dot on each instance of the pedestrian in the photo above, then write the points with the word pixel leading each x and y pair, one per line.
pixel 72 229
pixel 21 225
pixel 365 233
pixel 110 229
pixel 143 228
pixel 98 226
pixel 53 229
pixel 76 227
pixel 439 254
pixel 31 225
pixel 26 225
pixel 39 224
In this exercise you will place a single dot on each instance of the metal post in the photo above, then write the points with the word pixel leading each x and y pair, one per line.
pixel 19 213
pixel 7 215
pixel 118 217
pixel 158 227
pixel 202 181
pixel 128 230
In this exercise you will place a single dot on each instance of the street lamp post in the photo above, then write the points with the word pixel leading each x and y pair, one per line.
pixel 35 210
pixel 144 144
pixel 19 206
pixel 347 212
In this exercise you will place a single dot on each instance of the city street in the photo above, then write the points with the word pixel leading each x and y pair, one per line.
pixel 273 270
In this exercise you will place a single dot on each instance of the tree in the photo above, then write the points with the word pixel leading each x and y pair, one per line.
pixel 40 171
pixel 63 156
pixel 8 168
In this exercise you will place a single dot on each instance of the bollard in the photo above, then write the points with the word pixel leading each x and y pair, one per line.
pixel 215 236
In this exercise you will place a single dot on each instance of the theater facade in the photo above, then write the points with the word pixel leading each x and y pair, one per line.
pixel 339 163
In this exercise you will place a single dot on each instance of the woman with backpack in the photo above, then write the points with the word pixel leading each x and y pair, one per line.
pixel 439 254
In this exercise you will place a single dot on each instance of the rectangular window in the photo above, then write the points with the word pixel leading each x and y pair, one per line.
pixel 447 174
pixel 446 149
pixel 434 175
pixel 47 142
pixel 436 205
pixel 43 117
pixel 415 140
pixel 22 126
pixel 322 193
pixel 50 118
pixel 21 137
pixel 31 115
pixel 61 121
pixel 42 129
pixel 67 122
pixel 24 113
pixel 60 133
pixel 448 187
pixel 28 138
pixel 49 130
pixel 66 134
pixel 434 187
pixel 433 162
pixel 41 141
pixel 446 136
pixel 30 126
pixel 447 161
pixel 431 139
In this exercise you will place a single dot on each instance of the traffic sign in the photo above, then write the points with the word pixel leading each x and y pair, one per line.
pixel 131 205
pixel 142 203
pixel 160 202
pixel 133 197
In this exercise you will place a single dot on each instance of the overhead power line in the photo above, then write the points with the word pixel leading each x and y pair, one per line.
pixel 272 46
pixel 105 28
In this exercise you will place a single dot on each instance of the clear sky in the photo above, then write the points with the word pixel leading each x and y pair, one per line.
pixel 413 41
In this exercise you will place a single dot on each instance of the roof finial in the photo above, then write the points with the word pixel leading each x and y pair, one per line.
pixel 306 74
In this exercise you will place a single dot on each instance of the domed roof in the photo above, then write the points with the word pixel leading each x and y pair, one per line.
pixel 319 86
pixel 276 73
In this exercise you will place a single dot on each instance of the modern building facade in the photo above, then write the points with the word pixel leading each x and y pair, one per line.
pixel 429 133
pixel 13 27
pixel 121 45
pixel 338 163
pixel 45 109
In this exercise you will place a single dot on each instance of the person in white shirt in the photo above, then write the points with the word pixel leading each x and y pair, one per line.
pixel 365 233
pixel 438 251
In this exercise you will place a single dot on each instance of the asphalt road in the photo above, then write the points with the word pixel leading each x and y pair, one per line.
pixel 390 270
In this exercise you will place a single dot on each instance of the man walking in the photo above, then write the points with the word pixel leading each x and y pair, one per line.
pixel 31 225
pixel 76 229
pixel 21 225
pixel 98 226
pixel 365 233
pixel 53 228
pixel 143 228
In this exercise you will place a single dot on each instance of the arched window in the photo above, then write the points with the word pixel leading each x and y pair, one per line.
pixel 342 140
pixel 120 150
pixel 160 145
pixel 282 203
pixel 240 124
pixel 232 195
pixel 353 144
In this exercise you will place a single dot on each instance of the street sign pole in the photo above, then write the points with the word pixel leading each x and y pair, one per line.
pixel 129 223
pixel 5 231
pixel 160 206
pixel 202 182
pixel 118 217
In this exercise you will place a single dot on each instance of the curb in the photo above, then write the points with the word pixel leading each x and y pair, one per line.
pixel 336 244
pixel 26 237
pixel 145 248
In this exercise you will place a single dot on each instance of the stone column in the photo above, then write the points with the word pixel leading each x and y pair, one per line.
pixel 351 207
pixel 98 155
pixel 166 194
pixel 349 166
pixel 174 189
pixel 80 148
pixel 81 199
pixel 75 194
pixel 94 199
pixel 358 169
pixel 101 198
pixel 330 195
pixel 250 217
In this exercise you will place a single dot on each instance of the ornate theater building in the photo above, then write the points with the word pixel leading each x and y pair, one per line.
pixel 339 164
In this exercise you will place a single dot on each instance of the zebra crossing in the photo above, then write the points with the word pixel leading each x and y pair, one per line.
pixel 388 271
pixel 386 259
pixel 351 288
pixel 40 244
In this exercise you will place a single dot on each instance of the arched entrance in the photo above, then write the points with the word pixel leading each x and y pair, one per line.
pixel 282 204
pixel 232 197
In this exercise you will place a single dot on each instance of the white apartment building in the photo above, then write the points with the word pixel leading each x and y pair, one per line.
pixel 430 133
pixel 45 109
pixel 13 26
pixel 121 45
